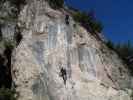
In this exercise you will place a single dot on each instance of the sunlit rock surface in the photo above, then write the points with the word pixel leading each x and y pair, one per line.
pixel 92 71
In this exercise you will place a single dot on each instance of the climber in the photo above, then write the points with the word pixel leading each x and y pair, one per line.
pixel 67 19
pixel 63 74
pixel 18 36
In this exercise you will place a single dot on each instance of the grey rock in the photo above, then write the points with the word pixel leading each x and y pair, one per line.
pixel 92 70
pixel 8 19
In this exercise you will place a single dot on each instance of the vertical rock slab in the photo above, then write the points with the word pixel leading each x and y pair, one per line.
pixel 55 61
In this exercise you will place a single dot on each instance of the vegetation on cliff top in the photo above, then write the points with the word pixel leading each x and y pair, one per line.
pixel 125 51
pixel 56 4
pixel 88 20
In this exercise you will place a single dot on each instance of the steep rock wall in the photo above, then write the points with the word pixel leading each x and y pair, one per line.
pixel 55 61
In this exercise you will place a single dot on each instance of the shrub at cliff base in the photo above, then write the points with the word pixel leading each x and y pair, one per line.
pixel 7 94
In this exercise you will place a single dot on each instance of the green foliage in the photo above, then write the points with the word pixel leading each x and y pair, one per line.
pixel 96 26
pixel 56 4
pixel 80 17
pixel 7 94
pixel 124 51
pixel 110 44
pixel 9 44
pixel 8 18
pixel 88 21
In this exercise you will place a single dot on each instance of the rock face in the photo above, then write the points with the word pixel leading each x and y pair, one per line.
pixel 7 19
pixel 55 61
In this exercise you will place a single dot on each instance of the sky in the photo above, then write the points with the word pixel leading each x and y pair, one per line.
pixel 115 15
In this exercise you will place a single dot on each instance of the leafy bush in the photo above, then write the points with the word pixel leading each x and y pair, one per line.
pixel 124 50
pixel 110 44
pixel 7 94
pixel 88 21
pixel 96 26
pixel 10 44
pixel 56 4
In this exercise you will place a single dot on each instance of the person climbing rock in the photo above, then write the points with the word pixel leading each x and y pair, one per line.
pixel 63 74
pixel 18 36
pixel 67 19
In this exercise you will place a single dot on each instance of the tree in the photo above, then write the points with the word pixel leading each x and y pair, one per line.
pixel 110 44
pixel 56 4
pixel 125 51
pixel 88 21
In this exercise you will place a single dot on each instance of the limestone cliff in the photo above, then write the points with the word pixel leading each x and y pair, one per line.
pixel 56 61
